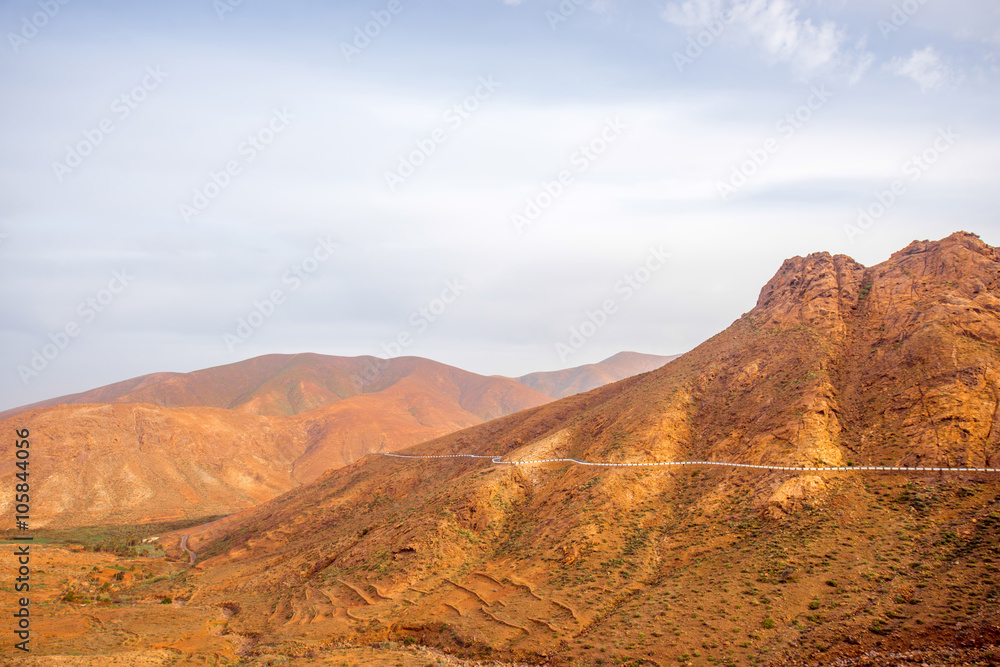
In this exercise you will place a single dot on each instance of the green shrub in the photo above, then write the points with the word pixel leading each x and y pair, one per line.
pixel 879 627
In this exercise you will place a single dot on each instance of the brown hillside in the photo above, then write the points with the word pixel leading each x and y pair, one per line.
pixel 837 364
pixel 332 410
pixel 124 462
pixel 180 454
pixel 289 384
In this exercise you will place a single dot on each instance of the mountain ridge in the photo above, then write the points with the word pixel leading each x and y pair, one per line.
pixel 266 384
pixel 837 364
pixel 210 442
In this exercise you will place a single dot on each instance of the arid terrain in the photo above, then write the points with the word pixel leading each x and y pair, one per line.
pixel 174 446
pixel 473 561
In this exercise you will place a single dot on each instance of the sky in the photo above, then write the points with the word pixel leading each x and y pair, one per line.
pixel 505 186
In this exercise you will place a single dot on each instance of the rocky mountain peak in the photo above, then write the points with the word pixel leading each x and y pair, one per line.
pixel 825 291
pixel 815 290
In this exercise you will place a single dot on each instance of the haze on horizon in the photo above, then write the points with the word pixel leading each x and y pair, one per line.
pixel 507 166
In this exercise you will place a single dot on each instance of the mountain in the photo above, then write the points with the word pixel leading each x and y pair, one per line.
pixel 837 364
pixel 289 384
pixel 172 446
pixel 563 383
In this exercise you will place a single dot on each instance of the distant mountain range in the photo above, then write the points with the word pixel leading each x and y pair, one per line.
pixel 175 445
pixel 560 384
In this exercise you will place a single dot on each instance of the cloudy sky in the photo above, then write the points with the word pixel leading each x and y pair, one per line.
pixel 199 182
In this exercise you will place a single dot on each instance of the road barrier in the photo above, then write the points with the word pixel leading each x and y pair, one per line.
pixel 499 460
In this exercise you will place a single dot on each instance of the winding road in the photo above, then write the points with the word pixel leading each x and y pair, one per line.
pixel 184 540
pixel 498 459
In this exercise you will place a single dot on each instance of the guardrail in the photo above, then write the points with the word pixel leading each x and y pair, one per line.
pixel 499 460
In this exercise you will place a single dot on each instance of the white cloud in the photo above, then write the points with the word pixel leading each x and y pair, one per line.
pixel 773 26
pixel 861 62
pixel 924 66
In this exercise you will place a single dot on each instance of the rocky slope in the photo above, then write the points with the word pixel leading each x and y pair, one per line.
pixel 837 364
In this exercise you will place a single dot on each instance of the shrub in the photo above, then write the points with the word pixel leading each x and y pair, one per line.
pixel 879 627
pixel 769 623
